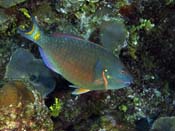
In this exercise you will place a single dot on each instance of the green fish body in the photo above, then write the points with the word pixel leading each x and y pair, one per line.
pixel 87 65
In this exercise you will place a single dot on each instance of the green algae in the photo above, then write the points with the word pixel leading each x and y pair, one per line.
pixel 123 108
pixel 144 24
pixel 56 107
pixel 86 14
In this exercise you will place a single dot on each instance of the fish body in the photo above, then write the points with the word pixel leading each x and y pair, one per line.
pixel 87 65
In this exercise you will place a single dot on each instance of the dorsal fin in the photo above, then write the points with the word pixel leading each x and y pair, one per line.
pixel 67 35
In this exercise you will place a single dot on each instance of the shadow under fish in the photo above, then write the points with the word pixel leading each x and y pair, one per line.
pixel 23 65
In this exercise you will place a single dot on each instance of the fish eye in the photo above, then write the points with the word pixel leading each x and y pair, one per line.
pixel 33 78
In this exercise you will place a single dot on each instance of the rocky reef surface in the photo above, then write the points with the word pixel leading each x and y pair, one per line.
pixel 147 50
pixel 22 108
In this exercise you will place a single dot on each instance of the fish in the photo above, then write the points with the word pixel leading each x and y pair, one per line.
pixel 24 66
pixel 87 65
pixel 113 36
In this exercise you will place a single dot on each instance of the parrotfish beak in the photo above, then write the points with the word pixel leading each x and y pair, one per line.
pixel 128 80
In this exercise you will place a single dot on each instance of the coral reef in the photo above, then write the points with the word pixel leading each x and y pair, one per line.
pixel 3 18
pixel 14 92
pixel 7 22
pixel 87 15
pixel 22 108
pixel 147 51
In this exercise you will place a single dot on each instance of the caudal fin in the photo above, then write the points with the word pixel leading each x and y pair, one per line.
pixel 33 34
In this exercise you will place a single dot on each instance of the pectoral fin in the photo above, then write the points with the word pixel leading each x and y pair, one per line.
pixel 98 69
pixel 80 91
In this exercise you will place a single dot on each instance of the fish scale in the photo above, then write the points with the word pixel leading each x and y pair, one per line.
pixel 80 59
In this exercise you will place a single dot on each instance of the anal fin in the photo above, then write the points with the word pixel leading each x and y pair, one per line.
pixel 80 91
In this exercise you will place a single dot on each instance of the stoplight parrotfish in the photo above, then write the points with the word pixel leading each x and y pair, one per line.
pixel 87 65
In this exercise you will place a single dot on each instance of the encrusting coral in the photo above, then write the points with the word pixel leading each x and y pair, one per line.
pixel 22 108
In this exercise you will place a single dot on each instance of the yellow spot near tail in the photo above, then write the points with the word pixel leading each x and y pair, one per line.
pixel 105 79
pixel 37 36
pixel 31 31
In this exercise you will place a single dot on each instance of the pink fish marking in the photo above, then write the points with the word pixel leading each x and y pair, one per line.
pixel 105 80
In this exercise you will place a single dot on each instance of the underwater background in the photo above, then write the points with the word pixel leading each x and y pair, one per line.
pixel 140 34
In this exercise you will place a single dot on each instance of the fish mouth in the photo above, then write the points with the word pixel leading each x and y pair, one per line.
pixel 128 83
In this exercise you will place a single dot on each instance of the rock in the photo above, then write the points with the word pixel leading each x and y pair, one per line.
pixel 9 3
pixel 164 124
pixel 142 124
pixel 14 92
pixel 22 108
pixel 3 17
pixel 5 21
pixel 5 51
